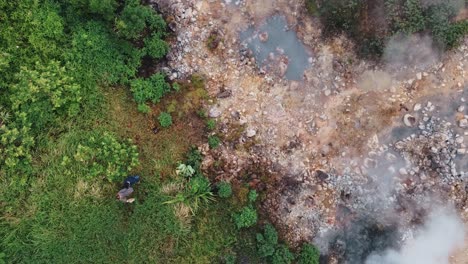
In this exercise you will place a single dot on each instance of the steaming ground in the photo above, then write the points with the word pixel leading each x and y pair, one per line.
pixel 357 151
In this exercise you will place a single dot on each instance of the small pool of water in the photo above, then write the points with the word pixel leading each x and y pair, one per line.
pixel 275 46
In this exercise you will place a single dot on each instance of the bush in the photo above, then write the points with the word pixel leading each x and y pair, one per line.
pixel 224 190
pixel 282 255
pixel 210 124
pixel 213 141
pixel 185 170
pixel 165 119
pixel 152 89
pixel 194 158
pixel 252 196
pixel 308 255
pixel 155 47
pixel 176 87
pixel 104 155
pixel 267 242
pixel 247 217
pixel 143 108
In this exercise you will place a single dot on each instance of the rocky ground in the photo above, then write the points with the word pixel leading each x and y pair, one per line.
pixel 353 137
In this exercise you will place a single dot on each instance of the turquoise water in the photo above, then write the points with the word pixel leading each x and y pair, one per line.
pixel 280 40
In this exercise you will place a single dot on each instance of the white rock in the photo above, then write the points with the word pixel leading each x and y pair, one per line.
pixel 409 120
pixel 327 92
pixel 402 171
pixel 461 108
pixel 214 112
pixel 417 107
pixel 250 132
pixel 419 75
pixel 463 123
pixel 461 151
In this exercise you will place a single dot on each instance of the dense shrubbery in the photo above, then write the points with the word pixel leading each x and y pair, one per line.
pixel 214 141
pixel 308 255
pixel 224 190
pixel 247 217
pixel 104 155
pixel 371 23
pixel 165 119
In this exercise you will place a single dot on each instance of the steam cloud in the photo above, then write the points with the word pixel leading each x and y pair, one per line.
pixel 443 232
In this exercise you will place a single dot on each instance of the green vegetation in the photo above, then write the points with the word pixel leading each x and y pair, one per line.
pixel 211 124
pixel 246 217
pixel 308 255
pixel 165 119
pixel 224 189
pixel 214 141
pixel 70 133
pixel 372 23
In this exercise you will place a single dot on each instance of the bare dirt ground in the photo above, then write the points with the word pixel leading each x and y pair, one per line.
pixel 347 117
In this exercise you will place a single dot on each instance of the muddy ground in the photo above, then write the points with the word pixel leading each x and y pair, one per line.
pixel 325 137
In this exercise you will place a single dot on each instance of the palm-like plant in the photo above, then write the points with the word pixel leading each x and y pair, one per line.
pixel 197 192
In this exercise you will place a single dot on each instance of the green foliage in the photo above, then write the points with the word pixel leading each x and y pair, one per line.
pixel 135 18
pixel 214 141
pixel 230 259
pixel 211 124
pixel 185 171
pixel 252 197
pixel 144 108
pixel 308 255
pixel 267 242
pixel 194 158
pixel 151 89
pixel 224 189
pixel 196 193
pixel 247 217
pixel 282 255
pixel 176 87
pixel 155 47
pixel 104 155
pixel 311 7
pixel 97 55
pixel 371 25
pixel 165 119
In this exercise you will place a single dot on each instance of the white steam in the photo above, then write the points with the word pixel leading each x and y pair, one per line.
pixel 432 244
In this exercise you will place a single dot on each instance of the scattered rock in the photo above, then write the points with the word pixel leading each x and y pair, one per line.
pixel 463 123
pixel 224 93
pixel 214 112
pixel 250 132
pixel 263 36
pixel 417 107
pixel 409 120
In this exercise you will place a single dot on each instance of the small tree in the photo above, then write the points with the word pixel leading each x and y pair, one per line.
pixel 165 119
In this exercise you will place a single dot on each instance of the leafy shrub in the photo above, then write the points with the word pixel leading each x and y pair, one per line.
pixel 97 55
pixel 176 87
pixel 194 158
pixel 230 259
pixel 165 119
pixel 282 255
pixel 252 197
pixel 155 47
pixel 224 189
pixel 267 242
pixel 210 124
pixel 185 170
pixel 104 155
pixel 196 193
pixel 247 217
pixel 132 20
pixel 213 141
pixel 308 255
pixel 143 108
pixel 151 89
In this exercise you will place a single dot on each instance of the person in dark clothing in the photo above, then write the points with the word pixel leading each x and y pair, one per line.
pixel 127 189
pixel 130 181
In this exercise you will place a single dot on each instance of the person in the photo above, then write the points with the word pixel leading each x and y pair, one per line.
pixel 130 181
pixel 124 193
